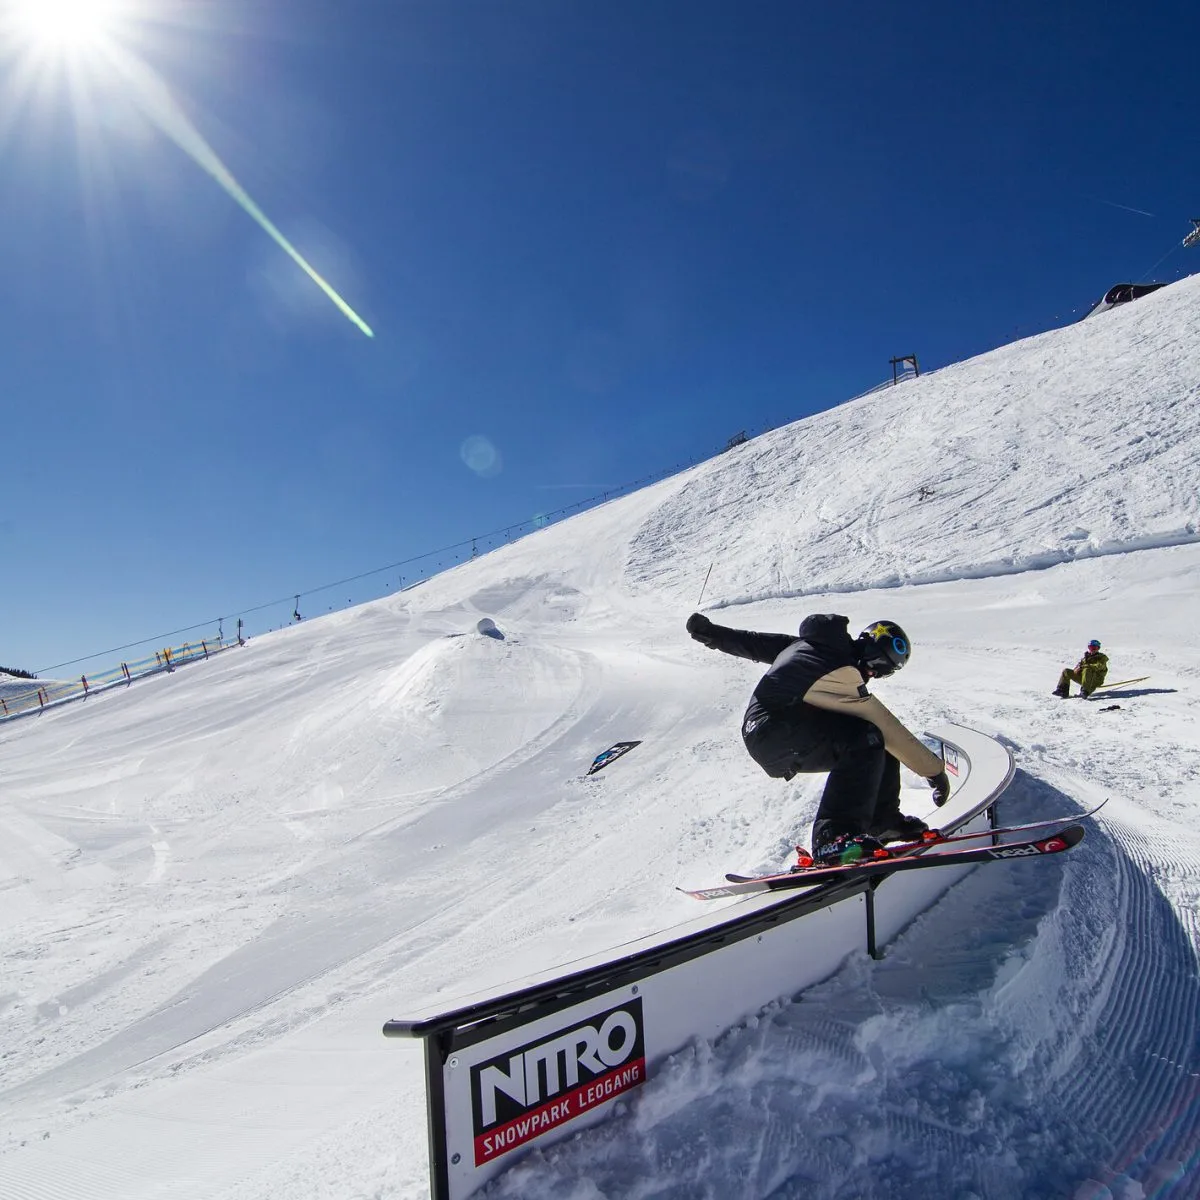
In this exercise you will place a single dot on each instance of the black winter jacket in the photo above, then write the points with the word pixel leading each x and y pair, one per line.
pixel 819 668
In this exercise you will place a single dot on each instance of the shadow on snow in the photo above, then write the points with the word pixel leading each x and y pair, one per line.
pixel 968 1095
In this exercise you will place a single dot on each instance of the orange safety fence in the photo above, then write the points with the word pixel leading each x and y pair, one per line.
pixel 41 696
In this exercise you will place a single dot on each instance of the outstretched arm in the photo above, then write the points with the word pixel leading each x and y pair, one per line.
pixel 742 643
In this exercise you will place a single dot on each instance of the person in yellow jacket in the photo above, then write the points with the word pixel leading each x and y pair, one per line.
pixel 1089 673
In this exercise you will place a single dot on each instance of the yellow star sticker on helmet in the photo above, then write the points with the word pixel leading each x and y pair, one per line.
pixel 878 631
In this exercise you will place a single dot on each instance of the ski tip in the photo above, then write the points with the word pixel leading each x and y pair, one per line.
pixel 1072 836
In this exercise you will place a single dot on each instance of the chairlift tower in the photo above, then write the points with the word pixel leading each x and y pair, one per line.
pixel 905 367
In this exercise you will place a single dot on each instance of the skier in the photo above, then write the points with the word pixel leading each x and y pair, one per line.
pixel 1089 673
pixel 812 712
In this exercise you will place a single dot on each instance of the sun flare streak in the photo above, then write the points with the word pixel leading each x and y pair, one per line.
pixel 155 100
pixel 79 29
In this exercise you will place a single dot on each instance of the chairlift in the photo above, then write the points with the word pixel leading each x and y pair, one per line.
pixel 1193 238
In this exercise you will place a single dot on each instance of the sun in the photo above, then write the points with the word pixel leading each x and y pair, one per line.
pixel 61 24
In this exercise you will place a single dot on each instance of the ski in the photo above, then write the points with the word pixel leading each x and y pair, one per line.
pixel 1122 683
pixel 935 837
pixel 870 868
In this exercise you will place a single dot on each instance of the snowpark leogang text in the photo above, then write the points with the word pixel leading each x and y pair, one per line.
pixel 216 885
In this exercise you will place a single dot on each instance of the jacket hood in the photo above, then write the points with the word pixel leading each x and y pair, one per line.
pixel 827 629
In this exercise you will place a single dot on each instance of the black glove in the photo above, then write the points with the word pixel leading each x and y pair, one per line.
pixel 701 628
pixel 941 788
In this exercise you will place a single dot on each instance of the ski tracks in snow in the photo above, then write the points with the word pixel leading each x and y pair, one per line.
pixel 970 1093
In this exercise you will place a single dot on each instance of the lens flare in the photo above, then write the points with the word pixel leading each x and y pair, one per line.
pixel 68 27
pixel 156 101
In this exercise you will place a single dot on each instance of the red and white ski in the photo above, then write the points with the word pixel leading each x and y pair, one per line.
pixel 1055 843
pixel 935 837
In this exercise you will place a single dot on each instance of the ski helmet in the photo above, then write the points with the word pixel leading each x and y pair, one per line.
pixel 884 647
pixel 1093 644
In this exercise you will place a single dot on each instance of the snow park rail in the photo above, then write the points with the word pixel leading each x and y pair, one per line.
pixel 38 697
pixel 551 1054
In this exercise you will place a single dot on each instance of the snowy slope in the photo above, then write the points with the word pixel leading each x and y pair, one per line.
pixel 216 885
pixel 13 687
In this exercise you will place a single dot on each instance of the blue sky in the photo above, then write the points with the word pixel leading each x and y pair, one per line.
pixel 601 237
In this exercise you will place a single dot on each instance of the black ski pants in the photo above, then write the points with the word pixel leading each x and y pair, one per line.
pixel 862 792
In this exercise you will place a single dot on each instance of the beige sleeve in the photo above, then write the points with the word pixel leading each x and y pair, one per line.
pixel 842 691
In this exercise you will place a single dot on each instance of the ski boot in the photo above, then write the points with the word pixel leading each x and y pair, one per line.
pixel 848 848
pixel 899 828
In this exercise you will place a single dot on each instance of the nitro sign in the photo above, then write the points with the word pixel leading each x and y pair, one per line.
pixel 526 1092
pixel 951 757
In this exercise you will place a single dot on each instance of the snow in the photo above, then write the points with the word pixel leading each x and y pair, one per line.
pixel 15 687
pixel 216 885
